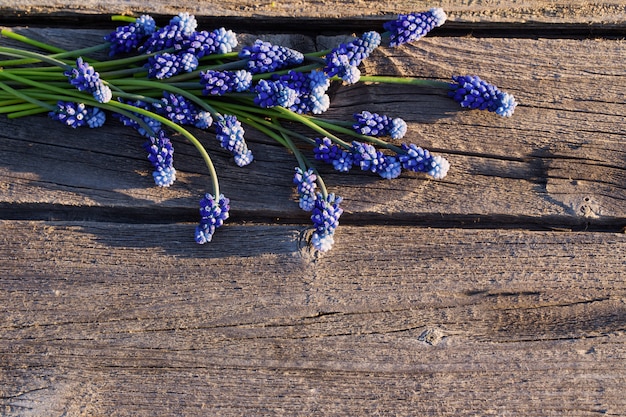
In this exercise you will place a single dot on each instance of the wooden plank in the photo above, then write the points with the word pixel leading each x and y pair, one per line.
pixel 484 11
pixel 126 319
pixel 559 161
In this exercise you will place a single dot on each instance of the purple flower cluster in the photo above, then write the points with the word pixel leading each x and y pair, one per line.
pixel 167 65
pixel 472 92
pixel 274 93
pixel 202 43
pixel 230 133
pixel 218 83
pixel 325 217
pixel 343 60
pixel 130 37
pixel 77 115
pixel 212 215
pixel 264 57
pixel 368 158
pixel 267 75
pixel 85 78
pixel 410 27
pixel 311 89
pixel 177 108
pixel 305 185
pixel 374 124
pixel 172 35
pixel 160 154
pixel 417 159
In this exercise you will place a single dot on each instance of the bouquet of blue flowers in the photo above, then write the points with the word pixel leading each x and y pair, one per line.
pixel 167 79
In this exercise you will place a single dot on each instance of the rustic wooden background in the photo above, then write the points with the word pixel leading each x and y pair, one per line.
pixel 500 290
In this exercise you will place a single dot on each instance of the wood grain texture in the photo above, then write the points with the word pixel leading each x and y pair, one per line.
pixel 518 11
pixel 124 319
pixel 440 298
pixel 559 161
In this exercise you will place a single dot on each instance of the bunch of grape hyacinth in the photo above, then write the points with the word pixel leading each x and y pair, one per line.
pixel 177 80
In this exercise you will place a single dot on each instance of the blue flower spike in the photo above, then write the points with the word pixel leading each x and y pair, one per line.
pixel 473 93
pixel 212 215
pixel 85 78
pixel 374 124
pixel 129 38
pixel 264 57
pixel 230 133
pixel 160 154
pixel 305 185
pixel 411 27
pixel 325 217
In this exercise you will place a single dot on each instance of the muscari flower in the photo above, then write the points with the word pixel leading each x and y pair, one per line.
pixel 368 157
pixel 85 78
pixel 71 114
pixel 325 217
pixel 230 134
pixel 166 65
pixel 218 41
pixel 274 93
pixel 412 26
pixel 473 93
pixel 331 153
pixel 177 109
pixel 128 38
pixel 95 117
pixel 175 34
pixel 160 154
pixel 306 185
pixel 343 60
pixel 217 83
pixel 203 120
pixel 310 90
pixel 421 160
pixel 374 124
pixel 212 215
pixel 263 57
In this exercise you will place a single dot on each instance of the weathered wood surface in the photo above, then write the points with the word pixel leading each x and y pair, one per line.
pixel 484 11
pixel 497 291
pixel 122 319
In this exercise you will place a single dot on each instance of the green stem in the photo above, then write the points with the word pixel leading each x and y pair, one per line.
pixel 31 112
pixel 288 114
pixel 68 54
pixel 116 106
pixel 25 39
pixel 304 68
pixel 28 54
pixel 122 18
pixel 26 97
pixel 124 62
pixel 19 107
pixel 46 87
pixel 10 101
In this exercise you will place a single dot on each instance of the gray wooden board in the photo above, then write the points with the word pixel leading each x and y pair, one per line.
pixel 559 160
pixel 484 11
pixel 126 319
